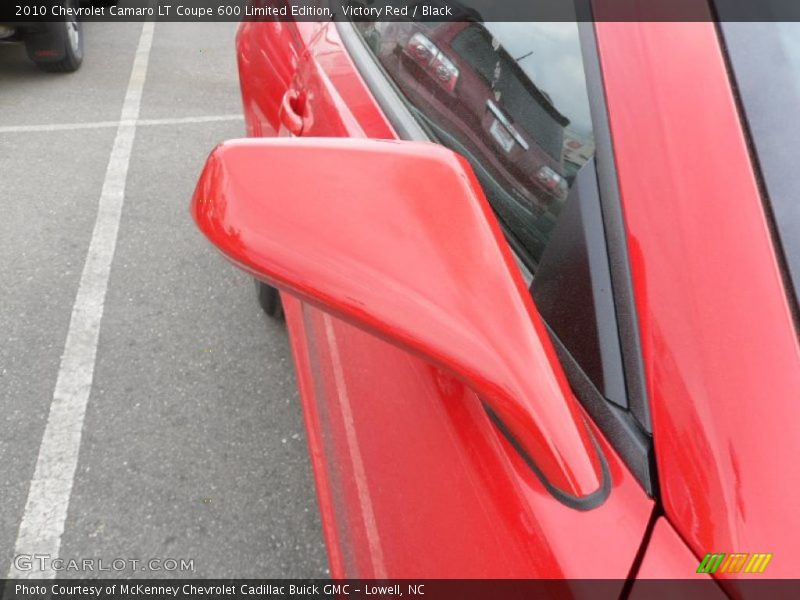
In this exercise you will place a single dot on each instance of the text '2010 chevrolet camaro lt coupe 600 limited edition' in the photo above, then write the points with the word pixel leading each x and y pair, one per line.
pixel 540 281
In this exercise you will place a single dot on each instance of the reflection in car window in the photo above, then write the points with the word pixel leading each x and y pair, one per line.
pixel 765 61
pixel 511 97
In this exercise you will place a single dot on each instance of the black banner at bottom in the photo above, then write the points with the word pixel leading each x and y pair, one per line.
pixel 421 589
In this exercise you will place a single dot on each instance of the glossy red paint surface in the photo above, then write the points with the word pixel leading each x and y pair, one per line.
pixel 668 557
pixel 721 350
pixel 268 54
pixel 412 477
pixel 387 253
pixel 415 481
pixel 338 103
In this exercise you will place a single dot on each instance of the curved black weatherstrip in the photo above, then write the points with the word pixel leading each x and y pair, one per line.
pixel 583 503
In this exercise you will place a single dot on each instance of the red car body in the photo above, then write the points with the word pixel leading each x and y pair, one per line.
pixel 414 480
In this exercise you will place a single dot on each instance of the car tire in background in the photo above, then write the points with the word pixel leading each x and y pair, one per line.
pixel 58 47
pixel 270 300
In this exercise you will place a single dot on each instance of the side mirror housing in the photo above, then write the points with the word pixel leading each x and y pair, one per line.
pixel 398 239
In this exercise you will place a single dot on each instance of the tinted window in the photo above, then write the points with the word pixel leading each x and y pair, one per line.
pixel 525 103
pixel 511 97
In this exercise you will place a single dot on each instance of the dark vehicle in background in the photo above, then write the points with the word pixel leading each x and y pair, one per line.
pixel 461 74
pixel 54 43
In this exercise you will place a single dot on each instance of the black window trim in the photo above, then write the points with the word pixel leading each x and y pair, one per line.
pixel 615 232
pixel 628 431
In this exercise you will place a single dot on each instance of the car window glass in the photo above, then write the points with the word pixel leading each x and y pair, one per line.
pixel 511 97
pixel 765 63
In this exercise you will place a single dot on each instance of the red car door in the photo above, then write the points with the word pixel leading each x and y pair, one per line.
pixel 413 477
pixel 269 53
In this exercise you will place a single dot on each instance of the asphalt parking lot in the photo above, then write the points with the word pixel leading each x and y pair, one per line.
pixel 191 445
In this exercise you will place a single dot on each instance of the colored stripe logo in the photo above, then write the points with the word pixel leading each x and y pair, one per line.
pixel 734 563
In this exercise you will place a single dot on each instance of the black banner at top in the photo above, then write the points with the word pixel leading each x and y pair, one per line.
pixel 31 11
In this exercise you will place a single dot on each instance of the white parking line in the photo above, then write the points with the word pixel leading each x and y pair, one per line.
pixel 51 487
pixel 109 124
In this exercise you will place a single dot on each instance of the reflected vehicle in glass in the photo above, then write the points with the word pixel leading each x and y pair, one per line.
pixel 460 75
pixel 504 98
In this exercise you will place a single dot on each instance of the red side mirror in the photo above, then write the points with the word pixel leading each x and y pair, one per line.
pixel 398 239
